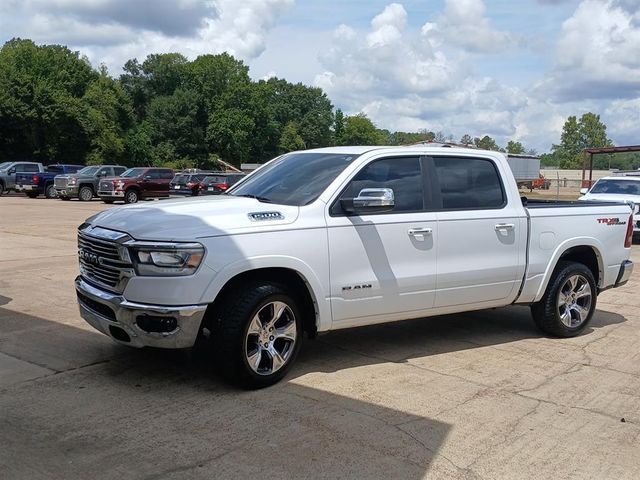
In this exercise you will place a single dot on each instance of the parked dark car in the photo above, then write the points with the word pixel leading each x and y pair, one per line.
pixel 219 183
pixel 136 184
pixel 84 184
pixel 34 184
pixel 187 183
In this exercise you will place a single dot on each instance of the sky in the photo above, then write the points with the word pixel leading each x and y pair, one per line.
pixel 514 70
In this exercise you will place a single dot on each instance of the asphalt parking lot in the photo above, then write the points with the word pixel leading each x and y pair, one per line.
pixel 479 395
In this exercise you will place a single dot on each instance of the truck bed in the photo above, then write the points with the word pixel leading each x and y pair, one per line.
pixel 539 203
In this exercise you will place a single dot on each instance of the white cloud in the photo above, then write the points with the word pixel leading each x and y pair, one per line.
pixel 113 31
pixel 411 80
pixel 597 54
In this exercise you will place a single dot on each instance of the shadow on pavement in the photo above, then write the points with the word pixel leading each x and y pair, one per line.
pixel 165 414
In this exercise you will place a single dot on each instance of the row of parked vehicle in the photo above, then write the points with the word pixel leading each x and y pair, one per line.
pixel 110 182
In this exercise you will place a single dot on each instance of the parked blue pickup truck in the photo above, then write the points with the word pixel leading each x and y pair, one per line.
pixel 34 184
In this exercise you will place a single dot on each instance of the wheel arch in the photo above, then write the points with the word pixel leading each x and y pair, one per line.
pixel 586 251
pixel 316 313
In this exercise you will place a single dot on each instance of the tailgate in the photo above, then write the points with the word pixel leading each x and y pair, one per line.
pixel 25 178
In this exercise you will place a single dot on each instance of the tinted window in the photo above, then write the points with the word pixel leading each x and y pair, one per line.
pixel 118 170
pixel 27 167
pixel 105 171
pixel 295 178
pixel 132 173
pixel 621 187
pixel 468 183
pixel 73 168
pixel 56 169
pixel 402 175
pixel 166 174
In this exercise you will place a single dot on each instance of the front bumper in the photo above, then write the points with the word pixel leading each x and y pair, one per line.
pixel 626 269
pixel 68 191
pixel 111 194
pixel 119 319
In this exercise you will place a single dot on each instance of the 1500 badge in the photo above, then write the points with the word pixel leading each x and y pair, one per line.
pixel 611 221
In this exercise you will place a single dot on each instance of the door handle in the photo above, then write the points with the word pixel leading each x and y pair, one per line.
pixel 504 226
pixel 420 231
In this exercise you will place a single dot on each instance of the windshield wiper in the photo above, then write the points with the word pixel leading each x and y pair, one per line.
pixel 257 197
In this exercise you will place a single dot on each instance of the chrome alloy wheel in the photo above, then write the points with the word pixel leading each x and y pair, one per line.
pixel 574 301
pixel 270 338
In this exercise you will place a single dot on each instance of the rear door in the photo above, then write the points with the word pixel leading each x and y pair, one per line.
pixel 383 263
pixel 479 232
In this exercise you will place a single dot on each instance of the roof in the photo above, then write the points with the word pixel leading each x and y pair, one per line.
pixel 622 177
pixel 426 147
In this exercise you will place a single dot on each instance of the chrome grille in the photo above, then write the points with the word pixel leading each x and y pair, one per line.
pixel 60 182
pixel 106 186
pixel 102 262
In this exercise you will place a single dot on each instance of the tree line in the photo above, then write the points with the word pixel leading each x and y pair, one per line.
pixel 170 111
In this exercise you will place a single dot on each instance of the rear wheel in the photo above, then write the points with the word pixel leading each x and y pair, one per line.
pixel 50 191
pixel 569 301
pixel 85 194
pixel 257 335
pixel 131 196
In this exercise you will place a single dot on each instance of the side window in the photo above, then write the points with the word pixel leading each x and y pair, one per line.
pixel 402 175
pixel 118 170
pixel 468 183
pixel 26 167
pixel 152 174
pixel 104 171
pixel 167 175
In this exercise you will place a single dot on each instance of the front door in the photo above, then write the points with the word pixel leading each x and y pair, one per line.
pixel 383 263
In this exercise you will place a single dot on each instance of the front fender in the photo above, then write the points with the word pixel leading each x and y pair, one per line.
pixel 318 294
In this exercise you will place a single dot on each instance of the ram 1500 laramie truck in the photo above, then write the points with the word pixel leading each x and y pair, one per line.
pixel 84 183
pixel 9 170
pixel 341 237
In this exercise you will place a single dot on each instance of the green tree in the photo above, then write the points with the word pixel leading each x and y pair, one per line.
pixel 107 116
pixel 588 132
pixel 515 147
pixel 338 126
pixel 359 130
pixel 291 139
pixel 41 110
pixel 466 139
pixel 486 143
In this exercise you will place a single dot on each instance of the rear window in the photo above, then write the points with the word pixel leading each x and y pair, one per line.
pixel 468 183
pixel 57 169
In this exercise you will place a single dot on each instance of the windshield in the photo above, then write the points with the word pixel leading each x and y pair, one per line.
pixel 133 172
pixel 622 187
pixel 88 171
pixel 5 165
pixel 294 179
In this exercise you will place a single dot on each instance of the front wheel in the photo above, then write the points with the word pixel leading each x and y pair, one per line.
pixel 569 301
pixel 85 194
pixel 257 335
pixel 131 196
pixel 50 191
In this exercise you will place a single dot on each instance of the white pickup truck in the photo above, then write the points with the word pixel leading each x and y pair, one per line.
pixel 342 237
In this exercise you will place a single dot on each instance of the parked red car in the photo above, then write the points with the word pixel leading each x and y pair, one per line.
pixel 219 183
pixel 136 184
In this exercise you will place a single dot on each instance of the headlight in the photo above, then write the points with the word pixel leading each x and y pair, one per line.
pixel 72 181
pixel 166 259
pixel 119 184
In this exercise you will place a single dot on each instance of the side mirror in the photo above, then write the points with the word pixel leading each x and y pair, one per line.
pixel 584 191
pixel 370 200
pixel 147 177
pixel 12 171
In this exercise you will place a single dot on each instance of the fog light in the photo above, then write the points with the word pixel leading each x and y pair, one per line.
pixel 155 324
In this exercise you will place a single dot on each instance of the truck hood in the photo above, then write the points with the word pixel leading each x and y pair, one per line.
pixel 611 197
pixel 189 219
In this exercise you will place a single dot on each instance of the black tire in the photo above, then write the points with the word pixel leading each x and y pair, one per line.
pixel 85 194
pixel 50 191
pixel 547 312
pixel 231 337
pixel 64 198
pixel 31 195
pixel 131 196
pixel 1 188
